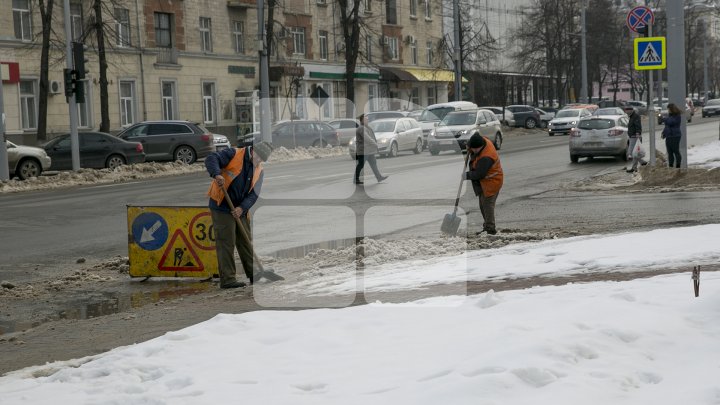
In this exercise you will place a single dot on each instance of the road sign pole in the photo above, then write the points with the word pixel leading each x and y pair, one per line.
pixel 4 171
pixel 651 110
pixel 676 66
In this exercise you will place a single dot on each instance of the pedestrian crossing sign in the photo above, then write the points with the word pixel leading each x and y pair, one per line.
pixel 650 53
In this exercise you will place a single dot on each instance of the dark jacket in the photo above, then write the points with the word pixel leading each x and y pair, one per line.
pixel 239 190
pixel 634 125
pixel 365 141
pixel 672 126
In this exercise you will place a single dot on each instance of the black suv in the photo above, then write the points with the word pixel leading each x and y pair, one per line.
pixel 292 134
pixel 525 115
pixel 171 140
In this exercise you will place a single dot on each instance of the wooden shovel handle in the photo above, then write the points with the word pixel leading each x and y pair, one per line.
pixel 242 229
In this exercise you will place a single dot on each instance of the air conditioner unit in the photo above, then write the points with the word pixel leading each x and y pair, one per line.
pixel 410 39
pixel 55 87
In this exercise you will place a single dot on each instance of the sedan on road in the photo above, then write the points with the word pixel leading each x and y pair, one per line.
pixel 605 135
pixel 26 161
pixel 171 140
pixel 457 127
pixel 345 128
pixel 98 150
pixel 566 119
pixel 394 135
pixel 297 133
pixel 712 107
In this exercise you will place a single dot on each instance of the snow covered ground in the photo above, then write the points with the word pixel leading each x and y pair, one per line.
pixel 645 341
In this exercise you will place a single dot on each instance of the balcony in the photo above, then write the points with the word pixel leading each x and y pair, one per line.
pixel 167 56
pixel 242 3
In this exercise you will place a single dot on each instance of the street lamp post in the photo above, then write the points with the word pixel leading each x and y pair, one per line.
pixel 676 65
pixel 705 63
pixel 583 51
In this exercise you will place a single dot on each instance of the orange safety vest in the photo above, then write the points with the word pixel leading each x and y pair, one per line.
pixel 229 173
pixel 493 181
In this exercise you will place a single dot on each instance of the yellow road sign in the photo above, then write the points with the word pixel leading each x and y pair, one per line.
pixel 171 242
pixel 650 53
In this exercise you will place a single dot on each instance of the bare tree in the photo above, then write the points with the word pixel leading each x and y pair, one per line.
pixel 46 19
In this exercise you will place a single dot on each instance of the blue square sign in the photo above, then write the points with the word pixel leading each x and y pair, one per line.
pixel 650 53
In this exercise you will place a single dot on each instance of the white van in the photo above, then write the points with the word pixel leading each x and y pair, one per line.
pixel 433 114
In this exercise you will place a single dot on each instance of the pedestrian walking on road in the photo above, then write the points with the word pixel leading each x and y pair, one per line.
pixel 486 175
pixel 240 172
pixel 672 134
pixel 365 149
pixel 634 136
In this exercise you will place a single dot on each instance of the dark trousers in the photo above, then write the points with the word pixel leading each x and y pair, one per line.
pixel 487 209
pixel 673 150
pixel 361 163
pixel 227 239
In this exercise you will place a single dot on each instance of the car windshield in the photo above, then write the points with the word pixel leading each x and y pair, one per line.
pixel 383 126
pixel 436 114
pixel 713 102
pixel 567 113
pixel 597 124
pixel 335 124
pixel 607 111
pixel 464 118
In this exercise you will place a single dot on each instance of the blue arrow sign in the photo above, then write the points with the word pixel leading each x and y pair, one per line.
pixel 150 231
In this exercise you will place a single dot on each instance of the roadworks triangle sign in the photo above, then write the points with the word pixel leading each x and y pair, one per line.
pixel 180 255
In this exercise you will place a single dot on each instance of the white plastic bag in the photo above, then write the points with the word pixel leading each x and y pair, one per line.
pixel 638 152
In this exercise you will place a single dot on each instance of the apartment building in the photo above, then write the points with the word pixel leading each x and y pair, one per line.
pixel 182 59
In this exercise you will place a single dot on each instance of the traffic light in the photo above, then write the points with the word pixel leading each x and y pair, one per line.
pixel 78 53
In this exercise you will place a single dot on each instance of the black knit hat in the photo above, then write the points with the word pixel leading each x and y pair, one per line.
pixel 476 141
pixel 263 150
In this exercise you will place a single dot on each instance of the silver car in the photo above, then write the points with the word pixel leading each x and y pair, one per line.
pixel 605 135
pixel 345 128
pixel 394 135
pixel 566 119
pixel 26 161
pixel 457 127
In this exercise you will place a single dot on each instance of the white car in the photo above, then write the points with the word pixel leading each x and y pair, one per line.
pixel 567 119
pixel 221 142
pixel 604 135
pixel 394 135
pixel 26 161
pixel 545 117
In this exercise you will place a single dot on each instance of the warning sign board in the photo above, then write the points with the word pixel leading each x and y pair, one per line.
pixel 650 53
pixel 171 242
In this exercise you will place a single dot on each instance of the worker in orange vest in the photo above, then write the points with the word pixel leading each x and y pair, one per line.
pixel 486 175
pixel 240 172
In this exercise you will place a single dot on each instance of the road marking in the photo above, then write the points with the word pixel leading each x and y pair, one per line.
pixel 115 184
pixel 279 177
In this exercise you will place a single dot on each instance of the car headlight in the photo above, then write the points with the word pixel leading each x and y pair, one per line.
pixel 352 142
pixel 551 123
pixel 573 122
pixel 432 133
pixel 384 140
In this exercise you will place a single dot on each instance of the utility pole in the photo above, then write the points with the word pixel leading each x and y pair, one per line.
pixel 456 51
pixel 264 75
pixel 705 63
pixel 584 89
pixel 676 66
pixel 4 172
pixel 74 139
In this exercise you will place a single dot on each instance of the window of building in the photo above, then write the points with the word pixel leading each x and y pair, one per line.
pixel 413 8
pixel 415 96
pixel 428 13
pixel 127 102
pixel 28 105
pixel 429 49
pixel 391 12
pixel 76 21
pixel 373 95
pixel 323 36
pixel 369 48
pixel 413 51
pixel 122 27
pixel 22 19
pixel 367 6
pixel 208 95
pixel 163 30
pixel 393 50
pixel 205 34
pixel 168 100
pixel 298 34
pixel 239 36
pixel 431 97
pixel 84 108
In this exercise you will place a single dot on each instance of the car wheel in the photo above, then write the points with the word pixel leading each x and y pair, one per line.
pixel 319 143
pixel 498 141
pixel 418 146
pixel 530 123
pixel 28 168
pixel 551 134
pixel 393 150
pixel 434 152
pixel 185 154
pixel 114 161
pixel 574 158
pixel 543 124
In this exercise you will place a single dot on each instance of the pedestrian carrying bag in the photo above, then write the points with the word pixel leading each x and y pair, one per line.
pixel 638 152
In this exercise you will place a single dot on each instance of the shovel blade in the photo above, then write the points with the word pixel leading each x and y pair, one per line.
pixel 450 224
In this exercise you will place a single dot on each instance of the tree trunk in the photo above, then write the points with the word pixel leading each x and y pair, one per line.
pixel 102 59
pixel 46 12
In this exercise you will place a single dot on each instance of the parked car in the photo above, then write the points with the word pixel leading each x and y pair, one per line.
pixel 434 113
pixel 566 119
pixel 221 142
pixel 506 116
pixel 415 114
pixel 545 117
pixel 609 111
pixel 378 115
pixel 297 133
pixel 663 114
pixel 345 128
pixel 98 150
pixel 611 103
pixel 171 140
pixel 639 106
pixel 394 135
pixel 712 107
pixel 525 116
pixel 26 161
pixel 604 135
pixel 457 127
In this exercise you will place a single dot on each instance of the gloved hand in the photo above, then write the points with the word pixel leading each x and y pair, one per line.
pixel 464 176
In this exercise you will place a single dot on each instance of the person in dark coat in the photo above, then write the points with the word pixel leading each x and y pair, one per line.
pixel 486 175
pixel 634 136
pixel 239 171
pixel 365 149
pixel 672 135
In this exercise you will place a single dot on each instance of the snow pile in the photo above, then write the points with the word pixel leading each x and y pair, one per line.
pixel 707 155
pixel 283 154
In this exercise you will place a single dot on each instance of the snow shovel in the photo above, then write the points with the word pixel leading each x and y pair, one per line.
pixel 262 273
pixel 451 222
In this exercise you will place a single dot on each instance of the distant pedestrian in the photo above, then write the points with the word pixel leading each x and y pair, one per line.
pixel 634 136
pixel 672 134
pixel 486 175
pixel 365 149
